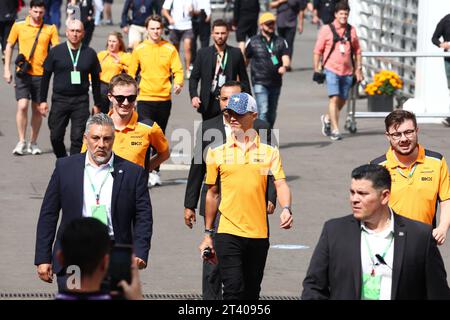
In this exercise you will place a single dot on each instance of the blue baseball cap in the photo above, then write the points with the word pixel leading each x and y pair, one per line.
pixel 241 103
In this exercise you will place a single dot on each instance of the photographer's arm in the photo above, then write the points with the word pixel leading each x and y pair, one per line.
pixel 8 55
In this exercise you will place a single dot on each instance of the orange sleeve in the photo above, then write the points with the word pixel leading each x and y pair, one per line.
pixel 55 37
pixel 212 169
pixel 177 68
pixel 134 64
pixel 275 165
pixel 444 183
pixel 13 35
pixel 158 139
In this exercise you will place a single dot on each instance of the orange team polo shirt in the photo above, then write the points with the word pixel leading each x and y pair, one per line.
pixel 157 63
pixel 243 182
pixel 339 63
pixel 134 141
pixel 415 194
pixel 110 67
pixel 23 32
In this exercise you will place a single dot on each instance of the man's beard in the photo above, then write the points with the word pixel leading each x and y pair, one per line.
pixel 399 151
pixel 100 159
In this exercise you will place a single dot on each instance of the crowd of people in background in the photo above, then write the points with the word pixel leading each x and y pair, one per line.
pixel 118 145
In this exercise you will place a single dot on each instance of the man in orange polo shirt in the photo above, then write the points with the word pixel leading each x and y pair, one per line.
pixel 28 86
pixel 243 162
pixel 337 51
pixel 158 61
pixel 420 177
pixel 134 139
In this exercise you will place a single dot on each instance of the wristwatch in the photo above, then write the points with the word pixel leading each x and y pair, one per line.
pixel 210 232
pixel 289 209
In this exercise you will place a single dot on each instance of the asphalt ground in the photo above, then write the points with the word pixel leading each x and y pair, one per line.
pixel 317 169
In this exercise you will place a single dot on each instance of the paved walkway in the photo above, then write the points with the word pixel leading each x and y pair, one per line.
pixel 318 173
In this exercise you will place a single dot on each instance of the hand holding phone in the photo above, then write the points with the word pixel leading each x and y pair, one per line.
pixel 120 265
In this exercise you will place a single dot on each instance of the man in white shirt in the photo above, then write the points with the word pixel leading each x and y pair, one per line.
pixel 179 15
pixel 375 254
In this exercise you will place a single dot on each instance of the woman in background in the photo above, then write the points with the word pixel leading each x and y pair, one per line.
pixel 113 60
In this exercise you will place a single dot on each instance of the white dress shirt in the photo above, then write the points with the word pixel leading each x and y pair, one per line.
pixel 378 243
pixel 97 175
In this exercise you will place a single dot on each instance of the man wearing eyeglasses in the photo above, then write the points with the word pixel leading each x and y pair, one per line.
pixel 241 166
pixel 420 177
pixel 134 139
pixel 269 56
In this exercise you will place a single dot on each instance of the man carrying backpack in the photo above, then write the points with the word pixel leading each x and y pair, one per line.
pixel 338 53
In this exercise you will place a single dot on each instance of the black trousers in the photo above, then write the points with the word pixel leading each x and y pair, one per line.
pixel 104 106
pixel 5 28
pixel 289 35
pixel 63 109
pixel 212 110
pixel 89 28
pixel 201 29
pixel 158 111
pixel 241 265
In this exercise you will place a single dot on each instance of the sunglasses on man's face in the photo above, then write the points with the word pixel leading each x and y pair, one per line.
pixel 269 24
pixel 121 99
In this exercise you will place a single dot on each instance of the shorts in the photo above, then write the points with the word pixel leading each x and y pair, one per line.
pixel 176 36
pixel 246 28
pixel 338 85
pixel 28 87
pixel 108 1
pixel 136 34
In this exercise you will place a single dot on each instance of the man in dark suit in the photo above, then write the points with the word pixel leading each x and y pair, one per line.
pixel 214 66
pixel 96 184
pixel 375 254
pixel 212 133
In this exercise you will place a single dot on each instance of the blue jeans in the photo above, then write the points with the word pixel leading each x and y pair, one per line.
pixel 267 102
pixel 338 85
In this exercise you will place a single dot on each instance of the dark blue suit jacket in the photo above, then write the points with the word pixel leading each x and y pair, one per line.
pixel 131 209
pixel 335 271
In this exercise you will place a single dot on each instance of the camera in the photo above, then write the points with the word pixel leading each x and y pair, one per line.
pixel 319 77
pixel 23 66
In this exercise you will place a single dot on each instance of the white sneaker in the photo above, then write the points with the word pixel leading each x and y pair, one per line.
pixel 20 148
pixel 154 179
pixel 34 149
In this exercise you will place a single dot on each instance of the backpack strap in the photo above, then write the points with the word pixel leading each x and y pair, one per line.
pixel 337 38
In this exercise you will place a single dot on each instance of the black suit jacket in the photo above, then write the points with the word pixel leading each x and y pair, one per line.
pixel 131 209
pixel 211 133
pixel 203 71
pixel 335 269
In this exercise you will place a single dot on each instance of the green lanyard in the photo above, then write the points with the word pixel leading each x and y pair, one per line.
pixel 409 176
pixel 223 62
pixel 74 61
pixel 370 251
pixel 97 195
pixel 269 46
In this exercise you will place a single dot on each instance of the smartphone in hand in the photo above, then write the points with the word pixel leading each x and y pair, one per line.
pixel 120 265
